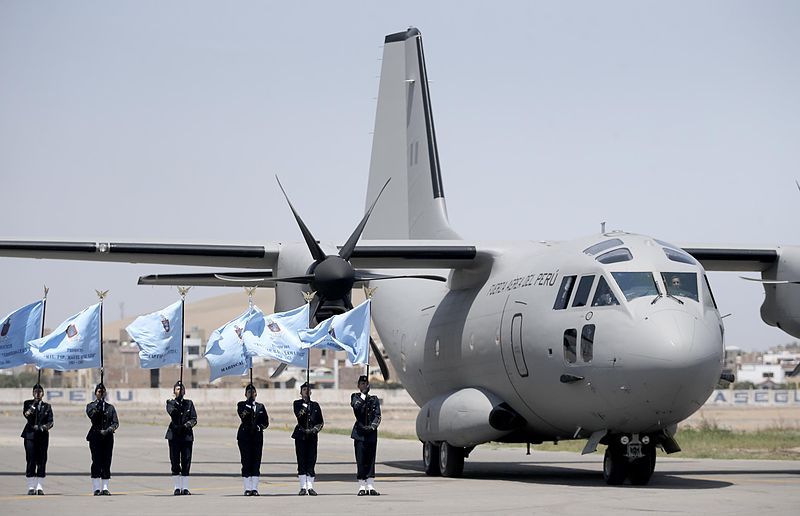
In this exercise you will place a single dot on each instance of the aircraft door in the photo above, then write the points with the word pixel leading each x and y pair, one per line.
pixel 512 339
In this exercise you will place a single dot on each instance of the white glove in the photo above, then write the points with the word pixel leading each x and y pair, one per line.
pixel 363 396
pixel 305 405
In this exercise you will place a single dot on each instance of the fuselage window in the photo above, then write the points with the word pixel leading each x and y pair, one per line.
pixel 602 246
pixel 570 345
pixel 615 256
pixel 582 294
pixel 603 295
pixel 587 343
pixel 679 256
pixel 636 284
pixel 708 296
pixel 564 292
pixel 681 284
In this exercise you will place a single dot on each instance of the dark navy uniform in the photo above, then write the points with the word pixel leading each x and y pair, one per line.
pixel 180 435
pixel 250 436
pixel 39 421
pixel 305 435
pixel 367 411
pixel 101 437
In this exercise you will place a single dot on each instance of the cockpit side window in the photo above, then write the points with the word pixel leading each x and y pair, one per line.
pixel 602 246
pixel 584 287
pixel 679 256
pixel 636 284
pixel 564 292
pixel 603 295
pixel 681 284
pixel 571 345
pixel 708 296
pixel 615 256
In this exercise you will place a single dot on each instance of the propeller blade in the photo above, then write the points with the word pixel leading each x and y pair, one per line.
pixel 316 303
pixel 278 370
pixel 384 367
pixel 307 278
pixel 370 276
pixel 347 249
pixel 311 242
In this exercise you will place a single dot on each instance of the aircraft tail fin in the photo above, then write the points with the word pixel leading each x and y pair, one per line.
pixel 404 149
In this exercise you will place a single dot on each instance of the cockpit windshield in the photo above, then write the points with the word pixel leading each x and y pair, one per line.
pixel 636 284
pixel 681 284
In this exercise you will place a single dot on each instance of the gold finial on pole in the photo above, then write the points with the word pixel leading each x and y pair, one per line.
pixel 46 290
pixel 308 296
pixel 250 293
pixel 183 291
pixel 102 294
pixel 368 291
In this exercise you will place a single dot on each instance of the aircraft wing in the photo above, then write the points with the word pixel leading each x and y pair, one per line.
pixel 734 257
pixel 406 254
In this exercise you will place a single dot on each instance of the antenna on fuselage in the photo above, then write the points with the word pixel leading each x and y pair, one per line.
pixel 603 227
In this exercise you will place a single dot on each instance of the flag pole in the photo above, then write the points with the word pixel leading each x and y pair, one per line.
pixel 183 291
pixel 41 332
pixel 368 292
pixel 102 295
pixel 309 296
pixel 250 292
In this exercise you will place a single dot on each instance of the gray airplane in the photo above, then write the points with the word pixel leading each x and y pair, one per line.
pixel 613 338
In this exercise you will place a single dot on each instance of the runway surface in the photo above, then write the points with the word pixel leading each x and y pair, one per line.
pixel 495 479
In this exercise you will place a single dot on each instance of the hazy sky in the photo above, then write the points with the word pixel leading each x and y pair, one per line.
pixel 166 121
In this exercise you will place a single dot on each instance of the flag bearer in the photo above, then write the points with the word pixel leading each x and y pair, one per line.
pixel 104 420
pixel 367 410
pixel 251 438
pixel 309 424
pixel 181 437
pixel 39 416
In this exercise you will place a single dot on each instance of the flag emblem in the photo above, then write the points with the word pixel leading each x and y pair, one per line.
pixel 332 333
pixel 71 331
pixel 273 326
pixel 6 327
pixel 165 324
pixel 238 331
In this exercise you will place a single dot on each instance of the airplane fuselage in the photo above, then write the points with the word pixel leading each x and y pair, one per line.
pixel 638 353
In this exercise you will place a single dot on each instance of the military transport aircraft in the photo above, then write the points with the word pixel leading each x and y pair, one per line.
pixel 614 338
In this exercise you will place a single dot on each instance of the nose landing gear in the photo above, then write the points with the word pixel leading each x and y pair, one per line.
pixel 629 457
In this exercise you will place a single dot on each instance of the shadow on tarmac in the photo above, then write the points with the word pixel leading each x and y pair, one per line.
pixel 546 474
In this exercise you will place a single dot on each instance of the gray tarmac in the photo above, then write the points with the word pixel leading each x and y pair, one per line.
pixel 496 479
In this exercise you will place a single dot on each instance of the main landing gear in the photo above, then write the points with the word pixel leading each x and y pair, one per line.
pixel 629 457
pixel 443 459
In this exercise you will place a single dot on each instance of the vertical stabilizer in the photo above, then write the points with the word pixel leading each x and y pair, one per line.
pixel 404 148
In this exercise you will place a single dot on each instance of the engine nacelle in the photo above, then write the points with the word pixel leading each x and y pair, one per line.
pixel 467 417
pixel 781 305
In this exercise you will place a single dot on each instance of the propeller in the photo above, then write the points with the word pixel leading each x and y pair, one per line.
pixel 332 277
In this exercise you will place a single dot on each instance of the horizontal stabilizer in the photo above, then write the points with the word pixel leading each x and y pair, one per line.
pixel 771 282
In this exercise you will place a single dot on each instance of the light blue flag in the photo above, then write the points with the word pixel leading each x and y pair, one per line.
pixel 347 332
pixel 225 348
pixel 158 336
pixel 278 339
pixel 16 329
pixel 75 344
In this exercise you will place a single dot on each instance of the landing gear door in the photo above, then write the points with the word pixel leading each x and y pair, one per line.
pixel 511 339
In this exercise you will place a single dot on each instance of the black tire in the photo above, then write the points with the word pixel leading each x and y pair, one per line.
pixel 430 459
pixel 641 470
pixel 451 460
pixel 615 467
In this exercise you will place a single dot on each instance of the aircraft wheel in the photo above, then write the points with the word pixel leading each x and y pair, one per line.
pixel 430 458
pixel 640 470
pixel 615 466
pixel 451 460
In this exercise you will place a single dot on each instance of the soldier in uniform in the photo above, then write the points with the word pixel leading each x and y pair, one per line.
pixel 250 438
pixel 309 424
pixel 367 410
pixel 101 439
pixel 180 436
pixel 39 416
